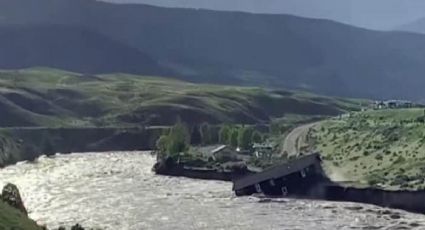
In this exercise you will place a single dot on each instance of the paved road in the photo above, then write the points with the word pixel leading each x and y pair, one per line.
pixel 296 139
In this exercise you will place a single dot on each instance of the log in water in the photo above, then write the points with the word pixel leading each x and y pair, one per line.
pixel 117 190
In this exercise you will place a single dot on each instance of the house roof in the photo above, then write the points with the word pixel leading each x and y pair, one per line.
pixel 262 145
pixel 210 149
pixel 218 149
pixel 277 172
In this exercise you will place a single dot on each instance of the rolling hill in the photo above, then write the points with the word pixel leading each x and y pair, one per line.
pixel 247 49
pixel 54 98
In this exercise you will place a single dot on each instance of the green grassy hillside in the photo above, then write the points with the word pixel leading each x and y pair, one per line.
pixel 53 98
pixel 11 218
pixel 382 148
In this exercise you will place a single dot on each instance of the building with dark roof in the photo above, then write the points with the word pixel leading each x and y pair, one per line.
pixel 294 177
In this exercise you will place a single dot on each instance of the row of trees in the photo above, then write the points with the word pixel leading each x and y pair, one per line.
pixel 232 135
pixel 204 134
pixel 179 137
pixel 237 136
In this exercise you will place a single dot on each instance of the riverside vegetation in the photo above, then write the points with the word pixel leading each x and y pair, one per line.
pixel 377 148
pixel 193 146
pixel 182 145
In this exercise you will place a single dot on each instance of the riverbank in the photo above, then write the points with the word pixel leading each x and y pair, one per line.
pixel 21 144
pixel 168 167
pixel 183 165
pixel 12 218
pixel 13 214
pixel 304 178
pixel 379 148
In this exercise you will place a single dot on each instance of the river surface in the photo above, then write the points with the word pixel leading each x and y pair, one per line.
pixel 117 190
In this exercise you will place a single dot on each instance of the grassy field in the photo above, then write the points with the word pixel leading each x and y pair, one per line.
pixel 383 148
pixel 11 218
pixel 54 98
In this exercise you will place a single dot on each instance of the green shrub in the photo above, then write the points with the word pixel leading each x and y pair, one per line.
pixel 354 158
pixel 176 141
pixel 374 181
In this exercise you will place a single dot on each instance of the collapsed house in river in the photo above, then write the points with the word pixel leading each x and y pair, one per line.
pixel 300 177
pixel 305 178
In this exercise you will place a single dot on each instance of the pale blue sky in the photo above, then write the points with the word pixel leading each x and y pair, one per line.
pixel 375 14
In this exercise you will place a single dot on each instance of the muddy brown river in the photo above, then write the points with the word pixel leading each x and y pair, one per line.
pixel 117 190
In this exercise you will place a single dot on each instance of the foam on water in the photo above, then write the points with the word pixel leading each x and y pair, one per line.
pixel 117 190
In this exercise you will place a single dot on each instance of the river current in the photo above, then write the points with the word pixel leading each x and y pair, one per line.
pixel 117 190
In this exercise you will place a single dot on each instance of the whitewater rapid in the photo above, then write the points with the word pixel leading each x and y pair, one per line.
pixel 118 190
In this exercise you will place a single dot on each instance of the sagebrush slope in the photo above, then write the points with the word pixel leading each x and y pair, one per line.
pixel 384 147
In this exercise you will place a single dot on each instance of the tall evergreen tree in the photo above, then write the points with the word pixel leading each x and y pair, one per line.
pixel 224 134
pixel 205 131
pixel 233 138
pixel 196 137
pixel 256 137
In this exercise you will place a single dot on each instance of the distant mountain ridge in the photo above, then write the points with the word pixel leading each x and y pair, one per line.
pixel 247 49
pixel 69 48
pixel 417 26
